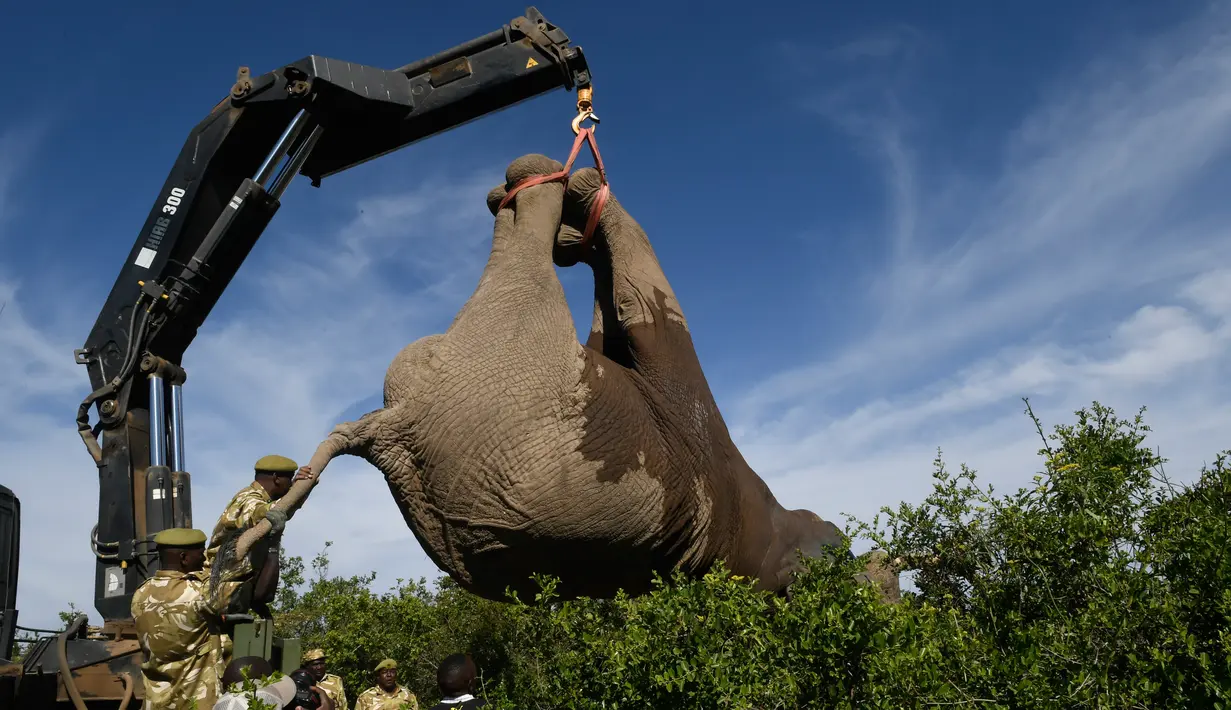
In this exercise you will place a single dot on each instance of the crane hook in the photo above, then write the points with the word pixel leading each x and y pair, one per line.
pixel 585 109
pixel 581 116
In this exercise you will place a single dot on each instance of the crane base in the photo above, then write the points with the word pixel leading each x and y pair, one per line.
pixel 105 664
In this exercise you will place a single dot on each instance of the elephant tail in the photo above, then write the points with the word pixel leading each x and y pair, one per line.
pixel 348 438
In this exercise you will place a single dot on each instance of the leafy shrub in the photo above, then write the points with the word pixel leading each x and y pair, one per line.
pixel 1100 585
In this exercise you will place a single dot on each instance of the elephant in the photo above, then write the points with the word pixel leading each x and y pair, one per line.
pixel 511 448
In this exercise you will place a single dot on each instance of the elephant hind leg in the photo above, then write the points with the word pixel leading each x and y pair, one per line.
pixel 518 307
pixel 636 312
pixel 410 372
pixel 607 335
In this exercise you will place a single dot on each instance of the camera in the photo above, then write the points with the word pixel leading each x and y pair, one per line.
pixel 304 697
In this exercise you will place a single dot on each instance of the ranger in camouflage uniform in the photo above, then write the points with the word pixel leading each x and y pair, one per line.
pixel 273 479
pixel 387 694
pixel 178 625
pixel 314 663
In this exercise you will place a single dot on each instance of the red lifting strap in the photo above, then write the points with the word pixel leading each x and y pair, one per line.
pixel 600 200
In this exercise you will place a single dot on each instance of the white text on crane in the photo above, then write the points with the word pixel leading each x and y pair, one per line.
pixel 145 257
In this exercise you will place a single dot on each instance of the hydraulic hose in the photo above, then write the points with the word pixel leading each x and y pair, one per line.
pixel 66 673
pixel 136 335
pixel 129 684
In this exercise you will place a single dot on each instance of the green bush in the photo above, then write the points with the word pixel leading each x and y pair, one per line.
pixel 1101 585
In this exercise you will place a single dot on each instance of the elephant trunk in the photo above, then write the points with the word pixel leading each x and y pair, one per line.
pixel 346 438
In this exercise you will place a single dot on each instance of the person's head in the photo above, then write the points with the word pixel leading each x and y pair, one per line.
pixel 254 667
pixel 180 549
pixel 456 675
pixel 274 473
pixel 387 674
pixel 314 663
pixel 280 694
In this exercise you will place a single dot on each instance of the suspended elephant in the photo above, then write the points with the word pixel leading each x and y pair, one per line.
pixel 513 449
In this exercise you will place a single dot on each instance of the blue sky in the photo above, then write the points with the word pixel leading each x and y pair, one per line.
pixel 885 225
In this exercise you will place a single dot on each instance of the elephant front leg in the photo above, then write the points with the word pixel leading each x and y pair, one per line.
pixel 639 324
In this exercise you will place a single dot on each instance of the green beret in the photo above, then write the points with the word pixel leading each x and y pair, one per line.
pixel 180 537
pixel 276 464
pixel 387 663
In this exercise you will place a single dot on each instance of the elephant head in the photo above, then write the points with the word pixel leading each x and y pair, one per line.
pixel 511 448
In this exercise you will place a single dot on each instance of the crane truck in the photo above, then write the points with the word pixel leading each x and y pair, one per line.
pixel 314 117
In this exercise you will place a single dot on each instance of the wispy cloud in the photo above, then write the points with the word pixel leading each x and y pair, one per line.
pixel 1091 264
pixel 1089 203
pixel 1183 342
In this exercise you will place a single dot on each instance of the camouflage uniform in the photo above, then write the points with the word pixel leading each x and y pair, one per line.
pixel 246 509
pixel 332 685
pixel 178 628
pixel 375 698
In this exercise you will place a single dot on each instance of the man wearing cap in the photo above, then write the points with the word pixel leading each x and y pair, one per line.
pixel 314 663
pixel 273 479
pixel 387 694
pixel 178 620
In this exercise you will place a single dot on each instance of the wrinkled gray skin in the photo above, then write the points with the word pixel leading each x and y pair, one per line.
pixel 511 448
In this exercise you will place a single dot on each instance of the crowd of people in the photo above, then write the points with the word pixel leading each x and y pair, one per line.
pixel 312 687
pixel 186 611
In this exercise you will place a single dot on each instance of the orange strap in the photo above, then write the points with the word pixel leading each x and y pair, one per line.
pixel 600 200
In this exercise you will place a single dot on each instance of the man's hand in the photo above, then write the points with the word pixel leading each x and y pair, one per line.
pixel 303 474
